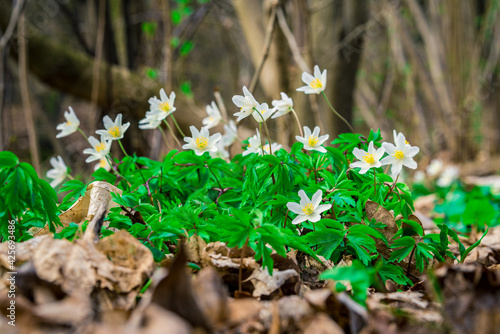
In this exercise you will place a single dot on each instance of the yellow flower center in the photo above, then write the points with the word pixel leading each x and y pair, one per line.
pixel 201 142
pixel 406 142
pixel 114 131
pixel 165 106
pixel 100 147
pixel 313 140
pixel 68 123
pixel 263 111
pixel 316 84
pixel 399 155
pixel 368 158
pixel 102 163
pixel 308 209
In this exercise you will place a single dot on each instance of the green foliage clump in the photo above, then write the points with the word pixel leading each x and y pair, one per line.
pixel 244 202
pixel 25 198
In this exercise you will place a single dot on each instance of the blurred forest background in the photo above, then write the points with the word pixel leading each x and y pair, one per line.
pixel 427 68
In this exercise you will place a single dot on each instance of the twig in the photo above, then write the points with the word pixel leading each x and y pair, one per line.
pixel 265 50
pixel 220 103
pixel 240 271
pixel 3 42
pixel 290 38
pixel 12 24
pixel 99 46
pixel 25 95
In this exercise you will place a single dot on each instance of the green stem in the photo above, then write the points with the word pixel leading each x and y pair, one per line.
pixel 136 166
pixel 164 135
pixel 392 188
pixel 178 127
pixel 375 182
pixel 115 170
pixel 69 176
pixel 336 113
pixel 262 144
pixel 215 176
pixel 172 132
pixel 83 134
pixel 123 149
pixel 298 122
pixel 267 130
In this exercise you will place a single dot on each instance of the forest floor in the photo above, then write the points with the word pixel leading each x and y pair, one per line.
pixel 112 285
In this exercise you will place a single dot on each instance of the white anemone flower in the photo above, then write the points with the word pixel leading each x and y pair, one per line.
pixel 214 116
pixel 221 151
pixel 114 130
pixel 99 150
pixel 231 133
pixel 447 177
pixel 313 141
pixel 163 106
pixel 103 163
pixel 59 171
pixel 314 84
pixel 399 155
pixel 150 122
pixel 275 147
pixel 254 145
pixel 201 141
pixel 283 106
pixel 70 126
pixel 395 134
pixel 263 112
pixel 308 209
pixel 435 167
pixel 367 159
pixel 246 103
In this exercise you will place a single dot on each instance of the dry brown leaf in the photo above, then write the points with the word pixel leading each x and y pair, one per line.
pixel 212 296
pixel 242 310
pixel 132 262
pixel 266 284
pixel 195 247
pixel 320 324
pixel 175 293
pixel 382 215
pixel 471 296
pixel 98 193
pixel 159 320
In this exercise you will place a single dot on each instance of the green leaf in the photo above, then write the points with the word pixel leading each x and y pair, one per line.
pixel 363 229
pixel 478 212
pixel 76 189
pixel 471 247
pixel 362 244
pixel 360 277
pixel 395 273
pixel 103 175
pixel 186 48
pixel 327 241
pixel 149 28
pixel 8 159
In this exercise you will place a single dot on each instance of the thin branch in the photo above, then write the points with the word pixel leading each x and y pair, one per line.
pixel 220 103
pixel 12 24
pixel 290 38
pixel 25 96
pixel 4 39
pixel 97 63
pixel 265 51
